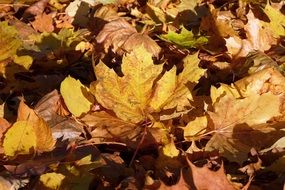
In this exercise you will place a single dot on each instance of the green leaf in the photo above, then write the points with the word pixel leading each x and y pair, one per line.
pixel 185 38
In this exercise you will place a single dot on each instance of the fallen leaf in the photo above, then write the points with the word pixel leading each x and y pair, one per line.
pixel 51 181
pixel 258 38
pixel 37 8
pixel 170 149
pixel 44 139
pixel 123 37
pixel 76 96
pixel 127 96
pixel 230 112
pixel 277 20
pixel 20 139
pixel 182 92
pixel 107 128
pixel 185 38
pixel 43 23
pixel 204 178
pixel 9 41
pixel 195 128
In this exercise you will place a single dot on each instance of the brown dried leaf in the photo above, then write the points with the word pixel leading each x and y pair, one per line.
pixel 52 109
pixel 43 23
pixel 180 185
pixel 110 128
pixel 204 178
pixel 123 37
pixel 258 38
pixel 37 8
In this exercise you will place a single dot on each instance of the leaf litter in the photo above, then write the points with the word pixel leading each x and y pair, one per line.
pixel 125 94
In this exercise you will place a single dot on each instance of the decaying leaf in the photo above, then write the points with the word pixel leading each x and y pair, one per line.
pixel 204 178
pixel 43 23
pixel 123 37
pixel 258 38
pixel 259 101
pixel 76 96
pixel 106 127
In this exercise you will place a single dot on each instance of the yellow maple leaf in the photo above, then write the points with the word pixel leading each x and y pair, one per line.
pixel 138 93
pixel 195 128
pixel 277 21
pixel 76 96
pixel 178 90
pixel 127 96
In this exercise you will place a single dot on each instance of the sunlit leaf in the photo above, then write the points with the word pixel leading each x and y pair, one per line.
pixel 186 80
pixel 195 128
pixel 170 149
pixel 185 38
pixel 277 20
pixel 20 139
pixel 52 180
pixel 76 96
pixel 127 96
pixel 123 37
pixel 234 117
pixel 44 139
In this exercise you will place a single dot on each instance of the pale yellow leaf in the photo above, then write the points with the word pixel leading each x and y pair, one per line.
pixel 195 128
pixel 224 89
pixel 170 149
pixel 52 181
pixel 140 72
pixel 44 139
pixel 20 139
pixel 76 96
pixel 277 20
pixel 164 89
pixel 25 61
pixel 186 81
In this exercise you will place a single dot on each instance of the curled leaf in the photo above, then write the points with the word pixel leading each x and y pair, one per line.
pixel 123 37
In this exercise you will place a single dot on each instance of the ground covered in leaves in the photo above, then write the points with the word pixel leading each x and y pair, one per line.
pixel 147 94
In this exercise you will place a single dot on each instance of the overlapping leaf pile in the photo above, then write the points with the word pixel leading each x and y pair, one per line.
pixel 125 94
